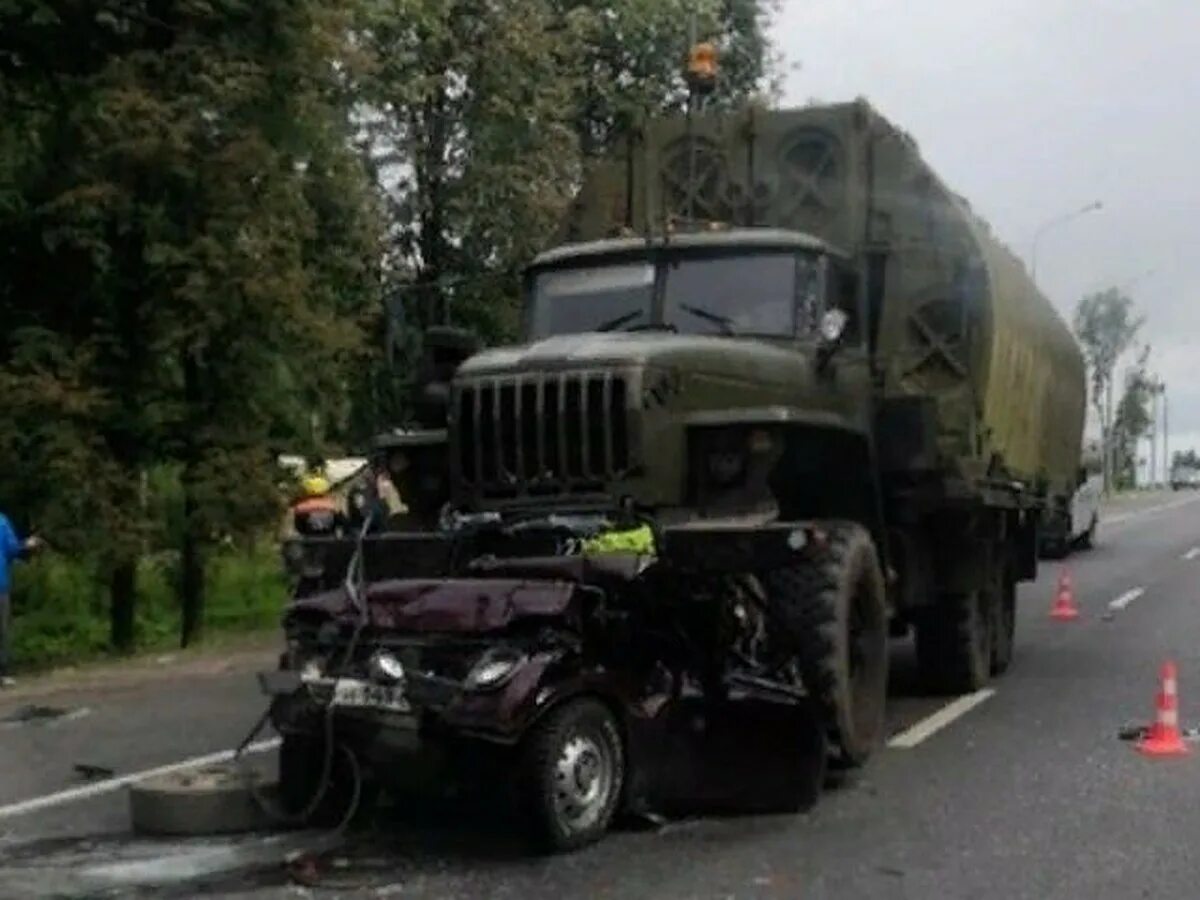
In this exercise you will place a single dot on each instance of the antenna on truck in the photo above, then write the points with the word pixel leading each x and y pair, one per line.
pixel 701 77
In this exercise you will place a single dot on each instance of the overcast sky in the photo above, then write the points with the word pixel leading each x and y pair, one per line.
pixel 1034 108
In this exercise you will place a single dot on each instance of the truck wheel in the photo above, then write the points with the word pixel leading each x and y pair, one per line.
pixel 834 613
pixel 954 642
pixel 1004 624
pixel 572 774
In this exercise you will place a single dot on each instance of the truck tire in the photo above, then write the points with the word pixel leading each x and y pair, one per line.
pixel 572 775
pixel 954 642
pixel 1004 624
pixel 833 612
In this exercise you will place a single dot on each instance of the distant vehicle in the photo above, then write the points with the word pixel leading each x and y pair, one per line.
pixel 1185 477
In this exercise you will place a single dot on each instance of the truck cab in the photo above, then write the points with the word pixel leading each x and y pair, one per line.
pixel 652 369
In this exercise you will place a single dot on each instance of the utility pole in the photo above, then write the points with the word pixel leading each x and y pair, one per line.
pixel 1166 438
pixel 1153 473
pixel 1107 439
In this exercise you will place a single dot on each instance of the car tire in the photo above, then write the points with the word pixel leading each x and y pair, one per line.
pixel 218 799
pixel 572 775
pixel 833 612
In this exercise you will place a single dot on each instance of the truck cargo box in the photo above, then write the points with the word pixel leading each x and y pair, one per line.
pixel 961 321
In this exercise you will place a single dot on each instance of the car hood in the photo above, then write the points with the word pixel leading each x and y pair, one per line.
pixel 463 605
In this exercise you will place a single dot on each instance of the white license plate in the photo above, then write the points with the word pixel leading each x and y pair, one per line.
pixel 354 692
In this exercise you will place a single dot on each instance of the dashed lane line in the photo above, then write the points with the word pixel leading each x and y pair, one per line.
pixel 1126 598
pixel 1191 554
pixel 930 725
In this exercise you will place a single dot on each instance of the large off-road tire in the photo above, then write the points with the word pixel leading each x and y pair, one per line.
pixel 572 774
pixel 833 612
pixel 954 642
pixel 1004 622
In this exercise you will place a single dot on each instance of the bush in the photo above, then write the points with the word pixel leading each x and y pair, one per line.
pixel 60 604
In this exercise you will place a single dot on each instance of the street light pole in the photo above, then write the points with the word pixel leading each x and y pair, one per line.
pixel 1166 437
pixel 1054 223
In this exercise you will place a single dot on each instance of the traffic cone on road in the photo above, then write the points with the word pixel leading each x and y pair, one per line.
pixel 1164 737
pixel 1064 608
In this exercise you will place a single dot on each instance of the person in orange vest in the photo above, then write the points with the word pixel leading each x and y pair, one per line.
pixel 316 512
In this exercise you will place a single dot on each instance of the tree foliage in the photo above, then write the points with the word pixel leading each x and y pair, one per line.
pixel 1107 325
pixel 1132 419
pixel 187 260
pixel 202 203
pixel 478 118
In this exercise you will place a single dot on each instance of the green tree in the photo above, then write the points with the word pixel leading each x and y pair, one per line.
pixel 1132 420
pixel 199 254
pixel 1185 458
pixel 1106 324
pixel 478 118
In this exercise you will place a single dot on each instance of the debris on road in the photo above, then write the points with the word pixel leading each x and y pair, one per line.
pixel 89 771
pixel 215 799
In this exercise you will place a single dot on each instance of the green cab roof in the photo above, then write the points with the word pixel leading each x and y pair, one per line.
pixel 715 239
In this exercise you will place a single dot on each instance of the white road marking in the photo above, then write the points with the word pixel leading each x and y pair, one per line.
pixel 1192 554
pixel 930 725
pixel 1149 511
pixel 109 785
pixel 1126 598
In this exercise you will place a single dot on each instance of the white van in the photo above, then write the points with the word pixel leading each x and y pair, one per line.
pixel 1085 511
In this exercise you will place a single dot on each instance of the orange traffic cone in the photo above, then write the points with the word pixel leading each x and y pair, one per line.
pixel 1064 608
pixel 1164 737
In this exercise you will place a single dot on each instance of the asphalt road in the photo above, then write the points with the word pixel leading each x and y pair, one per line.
pixel 1027 792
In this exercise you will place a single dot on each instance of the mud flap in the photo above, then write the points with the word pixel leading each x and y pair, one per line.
pixel 742 755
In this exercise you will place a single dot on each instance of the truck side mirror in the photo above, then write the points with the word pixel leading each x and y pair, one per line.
pixel 445 349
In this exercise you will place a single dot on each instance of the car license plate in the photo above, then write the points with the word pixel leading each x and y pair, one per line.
pixel 354 692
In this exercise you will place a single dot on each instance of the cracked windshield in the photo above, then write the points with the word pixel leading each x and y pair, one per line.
pixel 693 449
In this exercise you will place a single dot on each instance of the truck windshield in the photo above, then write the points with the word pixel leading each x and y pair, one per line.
pixel 746 294
pixel 765 293
pixel 592 298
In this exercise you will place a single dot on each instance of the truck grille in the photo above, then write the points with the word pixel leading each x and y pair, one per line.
pixel 542 434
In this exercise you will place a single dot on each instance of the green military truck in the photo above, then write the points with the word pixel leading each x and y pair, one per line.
pixel 785 315
pixel 778 357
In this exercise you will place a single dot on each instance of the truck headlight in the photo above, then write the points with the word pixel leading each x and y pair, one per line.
pixel 493 669
pixel 729 454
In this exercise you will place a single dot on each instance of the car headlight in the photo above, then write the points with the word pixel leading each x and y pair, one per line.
pixel 385 668
pixel 493 669
pixel 312 669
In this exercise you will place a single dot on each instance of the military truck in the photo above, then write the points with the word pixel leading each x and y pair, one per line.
pixel 776 340
pixel 787 314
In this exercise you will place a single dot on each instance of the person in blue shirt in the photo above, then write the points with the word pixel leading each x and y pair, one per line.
pixel 12 548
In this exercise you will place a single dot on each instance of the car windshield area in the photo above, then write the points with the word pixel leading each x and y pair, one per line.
pixel 767 293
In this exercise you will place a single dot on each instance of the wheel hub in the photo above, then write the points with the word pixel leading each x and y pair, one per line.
pixel 583 775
